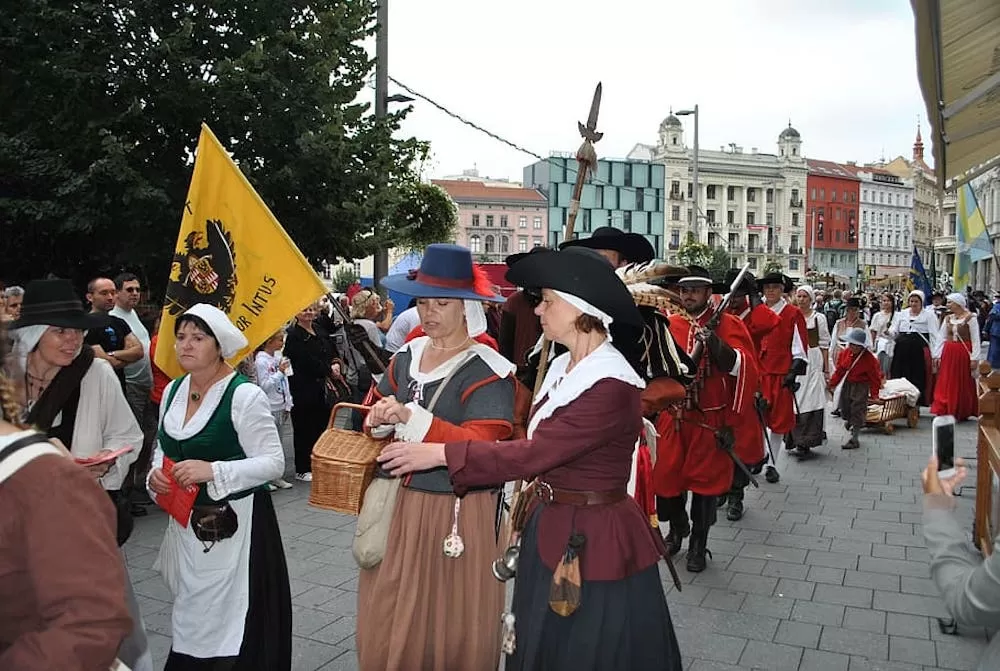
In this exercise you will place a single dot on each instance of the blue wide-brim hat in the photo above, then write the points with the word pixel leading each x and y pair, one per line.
pixel 446 271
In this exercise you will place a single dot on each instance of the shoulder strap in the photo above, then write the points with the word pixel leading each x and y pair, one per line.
pixel 15 455
pixel 446 380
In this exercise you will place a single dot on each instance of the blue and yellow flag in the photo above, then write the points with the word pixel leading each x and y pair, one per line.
pixel 232 253
pixel 972 242
pixel 918 278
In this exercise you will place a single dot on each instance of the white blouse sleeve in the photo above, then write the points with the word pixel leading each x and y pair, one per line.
pixel 259 439
pixel 824 332
pixel 118 426
pixel 157 450
pixel 937 337
pixel 977 345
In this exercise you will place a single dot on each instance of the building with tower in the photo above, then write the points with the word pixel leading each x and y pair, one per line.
pixel 927 215
pixel 751 203
pixel 832 223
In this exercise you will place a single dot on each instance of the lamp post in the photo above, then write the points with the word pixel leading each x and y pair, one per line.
pixel 697 189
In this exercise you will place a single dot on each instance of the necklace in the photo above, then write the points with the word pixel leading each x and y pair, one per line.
pixel 448 349
pixel 196 396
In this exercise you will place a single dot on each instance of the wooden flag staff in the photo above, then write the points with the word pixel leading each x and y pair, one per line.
pixel 586 158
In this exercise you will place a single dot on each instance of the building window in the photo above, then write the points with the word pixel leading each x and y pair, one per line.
pixel 833 195
pixel 627 221
pixel 710 216
pixel 503 221
pixel 769 196
pixel 864 216
pixel 522 222
pixel 795 195
pixel 628 174
pixel 794 243
pixel 751 195
pixel 475 220
pixel 640 198
pixel 675 189
pixel 710 192
pixel 675 212
pixel 769 219
pixel 690 220
pixel 753 262
pixel 474 244
pixel 690 190
pixel 751 219
pixel 504 245
pixel 881 196
pixel 537 242
pixel 793 264
pixel 813 193
pixel 731 217
pixel 674 239
pixel 730 193
pixel 537 223
pixel 864 196
pixel 522 244
pixel 822 194
pixel 489 220
pixel 795 218
pixel 490 245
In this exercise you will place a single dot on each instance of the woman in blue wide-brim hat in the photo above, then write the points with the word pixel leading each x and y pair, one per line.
pixel 432 603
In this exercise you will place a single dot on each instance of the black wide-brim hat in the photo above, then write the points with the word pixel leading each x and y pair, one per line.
pixel 514 258
pixel 632 246
pixel 583 274
pixel 54 303
pixel 748 285
pixel 699 276
pixel 777 278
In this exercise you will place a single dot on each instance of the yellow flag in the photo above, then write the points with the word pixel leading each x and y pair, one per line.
pixel 232 253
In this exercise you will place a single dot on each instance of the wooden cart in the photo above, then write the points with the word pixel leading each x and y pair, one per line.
pixel 882 415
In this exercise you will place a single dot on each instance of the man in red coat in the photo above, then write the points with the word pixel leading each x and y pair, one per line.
pixel 759 320
pixel 783 357
pixel 688 456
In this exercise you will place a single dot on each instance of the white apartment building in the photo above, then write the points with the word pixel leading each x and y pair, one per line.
pixel 885 233
pixel 751 203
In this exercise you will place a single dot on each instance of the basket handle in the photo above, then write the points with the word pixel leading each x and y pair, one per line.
pixel 348 406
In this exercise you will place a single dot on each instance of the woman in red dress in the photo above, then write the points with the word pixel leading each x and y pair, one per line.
pixel 957 356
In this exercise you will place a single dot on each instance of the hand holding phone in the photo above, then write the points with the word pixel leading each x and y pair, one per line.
pixel 943 444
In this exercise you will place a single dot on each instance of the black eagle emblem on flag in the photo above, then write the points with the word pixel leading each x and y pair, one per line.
pixel 206 270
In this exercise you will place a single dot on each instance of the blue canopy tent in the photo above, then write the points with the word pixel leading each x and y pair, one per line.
pixel 409 262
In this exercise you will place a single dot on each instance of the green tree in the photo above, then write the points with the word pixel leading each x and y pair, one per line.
pixel 715 260
pixel 97 136
pixel 344 278
pixel 773 266
pixel 424 215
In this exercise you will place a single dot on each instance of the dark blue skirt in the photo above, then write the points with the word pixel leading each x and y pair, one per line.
pixel 620 625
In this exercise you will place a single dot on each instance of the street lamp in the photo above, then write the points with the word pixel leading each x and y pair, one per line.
pixel 697 191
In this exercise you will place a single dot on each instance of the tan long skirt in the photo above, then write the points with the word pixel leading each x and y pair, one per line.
pixel 419 609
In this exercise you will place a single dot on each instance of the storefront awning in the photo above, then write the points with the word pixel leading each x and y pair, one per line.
pixel 958 65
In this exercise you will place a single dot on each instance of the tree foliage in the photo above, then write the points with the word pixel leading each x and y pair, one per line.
pixel 103 102
pixel 425 214
pixel 344 278
pixel 714 259
pixel 773 266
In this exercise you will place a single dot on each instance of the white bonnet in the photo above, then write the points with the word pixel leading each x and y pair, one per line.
pixel 230 339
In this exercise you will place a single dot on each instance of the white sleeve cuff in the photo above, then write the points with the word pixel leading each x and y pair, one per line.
pixel 736 366
pixel 416 429
pixel 218 487
pixel 383 431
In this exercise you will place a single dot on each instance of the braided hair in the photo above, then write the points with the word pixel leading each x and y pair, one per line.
pixel 10 405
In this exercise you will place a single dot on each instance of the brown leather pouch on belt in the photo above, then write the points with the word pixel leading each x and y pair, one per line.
pixel 567 585
pixel 659 393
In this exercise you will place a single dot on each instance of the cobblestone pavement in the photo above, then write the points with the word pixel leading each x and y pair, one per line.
pixel 827 571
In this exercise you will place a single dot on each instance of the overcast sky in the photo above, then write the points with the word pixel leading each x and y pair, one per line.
pixel 843 71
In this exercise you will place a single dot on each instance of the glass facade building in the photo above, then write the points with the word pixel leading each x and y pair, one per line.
pixel 626 194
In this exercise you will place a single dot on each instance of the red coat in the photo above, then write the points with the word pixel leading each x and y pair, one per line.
pixel 866 370
pixel 688 457
pixel 776 361
pixel 749 432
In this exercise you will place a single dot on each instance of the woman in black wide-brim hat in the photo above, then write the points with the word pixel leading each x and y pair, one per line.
pixel 581 437
pixel 616 245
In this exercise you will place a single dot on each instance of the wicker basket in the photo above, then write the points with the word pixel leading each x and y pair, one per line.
pixel 343 465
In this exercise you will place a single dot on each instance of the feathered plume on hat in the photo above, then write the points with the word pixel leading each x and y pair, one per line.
pixel 643 282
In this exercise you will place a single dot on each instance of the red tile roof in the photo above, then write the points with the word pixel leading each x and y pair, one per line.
pixel 462 191
pixel 831 169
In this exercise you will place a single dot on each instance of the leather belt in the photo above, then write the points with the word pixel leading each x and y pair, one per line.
pixel 576 497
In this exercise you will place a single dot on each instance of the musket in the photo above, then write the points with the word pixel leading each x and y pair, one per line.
pixel 586 158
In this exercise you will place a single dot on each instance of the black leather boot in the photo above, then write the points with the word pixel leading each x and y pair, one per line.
pixel 702 519
pixel 672 511
pixel 734 509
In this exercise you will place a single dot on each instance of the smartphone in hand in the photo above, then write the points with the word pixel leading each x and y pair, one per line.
pixel 943 442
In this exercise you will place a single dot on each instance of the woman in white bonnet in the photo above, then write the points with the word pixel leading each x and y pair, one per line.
pixel 226 566
pixel 958 353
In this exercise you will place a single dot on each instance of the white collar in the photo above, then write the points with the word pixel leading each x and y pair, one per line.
pixel 561 388
pixel 777 307
pixel 500 366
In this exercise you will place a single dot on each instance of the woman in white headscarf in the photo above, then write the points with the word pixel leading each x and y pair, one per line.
pixel 811 395
pixel 957 352
pixel 915 334
pixel 224 562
